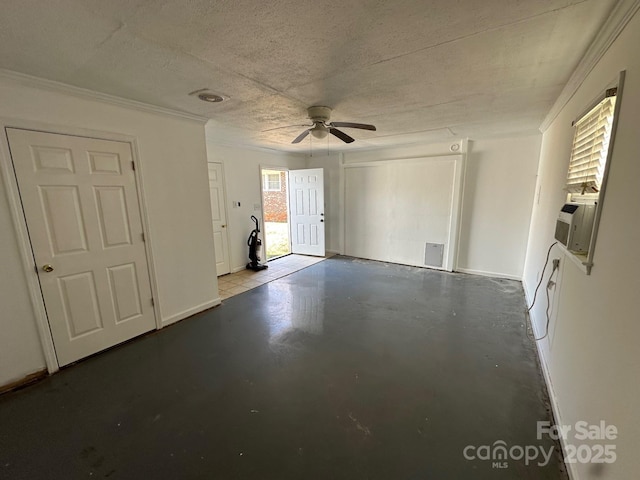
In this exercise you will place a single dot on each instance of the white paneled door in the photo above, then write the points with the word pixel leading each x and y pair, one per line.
pixel 306 202
pixel 81 206
pixel 219 217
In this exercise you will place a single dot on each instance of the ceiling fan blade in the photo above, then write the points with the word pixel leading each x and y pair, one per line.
pixel 341 135
pixel 285 126
pixel 362 126
pixel 300 137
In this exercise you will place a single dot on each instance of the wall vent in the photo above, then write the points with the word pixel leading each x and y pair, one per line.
pixel 433 254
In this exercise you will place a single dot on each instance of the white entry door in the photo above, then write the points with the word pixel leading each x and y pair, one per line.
pixel 80 202
pixel 306 202
pixel 219 216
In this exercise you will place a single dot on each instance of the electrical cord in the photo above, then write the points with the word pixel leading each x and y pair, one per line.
pixel 546 328
pixel 535 296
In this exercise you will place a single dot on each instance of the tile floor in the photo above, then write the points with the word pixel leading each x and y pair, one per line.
pixel 239 282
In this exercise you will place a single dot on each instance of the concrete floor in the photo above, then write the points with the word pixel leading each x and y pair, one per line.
pixel 347 369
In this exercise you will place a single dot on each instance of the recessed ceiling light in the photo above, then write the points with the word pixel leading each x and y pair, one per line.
pixel 207 96
pixel 210 97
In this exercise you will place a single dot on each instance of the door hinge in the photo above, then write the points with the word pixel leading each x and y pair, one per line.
pixel 143 239
pixel 35 267
pixel 133 165
pixel 153 303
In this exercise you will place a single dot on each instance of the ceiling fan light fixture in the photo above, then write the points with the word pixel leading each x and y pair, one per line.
pixel 319 131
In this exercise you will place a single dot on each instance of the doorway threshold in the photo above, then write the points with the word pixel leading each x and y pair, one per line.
pixel 244 280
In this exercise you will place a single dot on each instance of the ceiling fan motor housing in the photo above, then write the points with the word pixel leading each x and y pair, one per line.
pixel 319 114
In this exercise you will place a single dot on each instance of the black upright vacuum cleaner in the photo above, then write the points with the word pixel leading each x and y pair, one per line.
pixel 255 244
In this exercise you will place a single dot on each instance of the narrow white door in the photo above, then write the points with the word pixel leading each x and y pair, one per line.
pixel 81 207
pixel 306 202
pixel 219 216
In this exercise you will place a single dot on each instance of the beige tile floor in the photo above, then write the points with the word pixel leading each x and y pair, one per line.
pixel 239 282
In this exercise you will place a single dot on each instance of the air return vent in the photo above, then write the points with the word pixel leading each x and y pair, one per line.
pixel 433 254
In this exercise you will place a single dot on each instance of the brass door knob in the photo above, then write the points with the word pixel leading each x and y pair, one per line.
pixel 47 268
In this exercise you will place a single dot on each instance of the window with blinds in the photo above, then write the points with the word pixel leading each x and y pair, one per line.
pixel 271 182
pixel 591 146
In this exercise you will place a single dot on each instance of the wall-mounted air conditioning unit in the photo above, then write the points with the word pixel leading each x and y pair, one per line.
pixel 574 226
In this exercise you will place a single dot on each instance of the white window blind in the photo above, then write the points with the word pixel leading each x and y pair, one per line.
pixel 590 148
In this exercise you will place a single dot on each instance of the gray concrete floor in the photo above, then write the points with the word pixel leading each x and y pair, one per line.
pixel 348 369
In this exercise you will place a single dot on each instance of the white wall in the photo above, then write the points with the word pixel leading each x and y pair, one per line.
pixel 492 239
pixel 591 354
pixel 20 347
pixel 397 243
pixel 173 165
pixel 499 187
pixel 394 208
pixel 242 181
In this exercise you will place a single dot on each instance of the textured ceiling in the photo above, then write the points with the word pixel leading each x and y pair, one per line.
pixel 419 70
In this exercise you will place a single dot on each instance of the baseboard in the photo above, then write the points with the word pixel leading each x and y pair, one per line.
pixel 488 274
pixel 26 380
pixel 191 311
pixel 553 399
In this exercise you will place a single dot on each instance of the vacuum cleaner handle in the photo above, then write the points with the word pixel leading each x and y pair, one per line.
pixel 255 220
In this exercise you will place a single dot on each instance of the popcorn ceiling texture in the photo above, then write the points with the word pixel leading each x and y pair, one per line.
pixel 420 71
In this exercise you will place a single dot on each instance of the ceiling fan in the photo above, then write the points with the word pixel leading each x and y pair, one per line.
pixel 322 127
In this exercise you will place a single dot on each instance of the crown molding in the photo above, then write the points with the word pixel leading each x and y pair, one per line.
pixel 619 17
pixel 59 87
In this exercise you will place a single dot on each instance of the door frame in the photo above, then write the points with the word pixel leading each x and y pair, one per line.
pixel 262 167
pixel 226 212
pixel 20 223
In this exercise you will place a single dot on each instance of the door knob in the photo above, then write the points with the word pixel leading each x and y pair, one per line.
pixel 47 268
